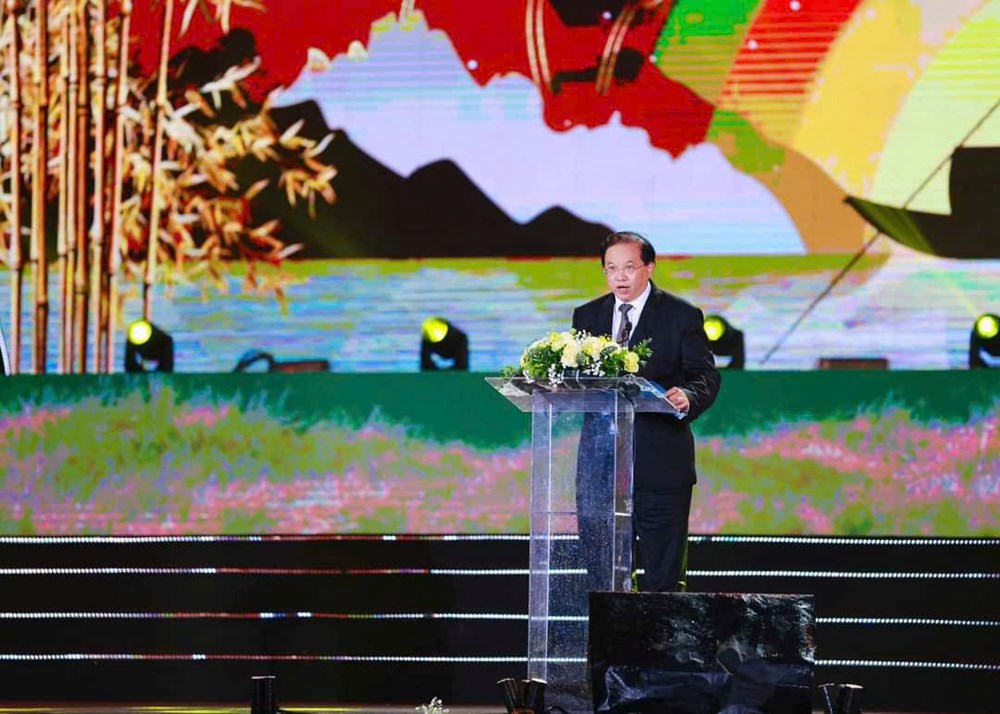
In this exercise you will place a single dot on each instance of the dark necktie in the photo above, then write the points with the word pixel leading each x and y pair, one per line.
pixel 625 331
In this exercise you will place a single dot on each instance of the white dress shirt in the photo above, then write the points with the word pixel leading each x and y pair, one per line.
pixel 634 313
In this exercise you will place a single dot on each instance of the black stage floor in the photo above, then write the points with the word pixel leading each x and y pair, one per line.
pixel 94 708
pixel 94 625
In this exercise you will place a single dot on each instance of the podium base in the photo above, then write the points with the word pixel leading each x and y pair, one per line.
pixel 695 653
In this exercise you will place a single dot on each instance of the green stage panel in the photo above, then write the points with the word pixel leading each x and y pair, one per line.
pixel 874 453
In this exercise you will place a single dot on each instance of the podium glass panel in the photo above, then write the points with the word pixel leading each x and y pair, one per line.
pixel 581 529
pixel 581 515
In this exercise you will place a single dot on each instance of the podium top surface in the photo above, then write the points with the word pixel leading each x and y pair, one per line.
pixel 584 394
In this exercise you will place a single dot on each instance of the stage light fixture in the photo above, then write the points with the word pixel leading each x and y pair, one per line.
pixel 726 342
pixel 841 698
pixel 260 361
pixel 264 699
pixel 443 346
pixel 524 696
pixel 984 342
pixel 852 363
pixel 148 348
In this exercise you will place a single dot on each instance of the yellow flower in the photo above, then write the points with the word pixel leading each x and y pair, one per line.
pixel 558 340
pixel 592 346
pixel 631 362
pixel 569 355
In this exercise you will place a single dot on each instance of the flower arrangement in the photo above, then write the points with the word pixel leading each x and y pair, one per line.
pixel 551 357
pixel 435 707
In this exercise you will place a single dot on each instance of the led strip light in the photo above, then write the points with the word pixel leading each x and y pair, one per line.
pixel 839 540
pixel 695 539
pixel 475 572
pixel 130 540
pixel 280 616
pixel 421 659
pixel 919 621
pixel 904 664
pixel 859 574
pixel 496 616
pixel 131 657
pixel 276 571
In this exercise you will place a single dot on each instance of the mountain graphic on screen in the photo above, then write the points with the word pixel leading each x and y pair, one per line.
pixel 970 231
pixel 437 211
pixel 409 100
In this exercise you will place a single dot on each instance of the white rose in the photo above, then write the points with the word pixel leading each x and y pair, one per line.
pixel 570 354
pixel 593 346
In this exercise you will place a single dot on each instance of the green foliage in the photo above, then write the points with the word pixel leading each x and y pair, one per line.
pixel 855 520
pixel 386 519
pixel 154 461
pixel 235 521
pixel 22 525
pixel 549 358
pixel 155 458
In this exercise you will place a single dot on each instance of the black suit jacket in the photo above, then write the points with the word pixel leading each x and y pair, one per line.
pixel 664 446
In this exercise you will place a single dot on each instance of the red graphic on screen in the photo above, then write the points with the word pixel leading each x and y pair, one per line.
pixel 494 44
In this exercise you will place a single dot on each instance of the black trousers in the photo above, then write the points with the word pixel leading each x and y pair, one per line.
pixel 660 525
pixel 659 518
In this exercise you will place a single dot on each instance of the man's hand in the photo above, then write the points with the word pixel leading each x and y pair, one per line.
pixel 678 399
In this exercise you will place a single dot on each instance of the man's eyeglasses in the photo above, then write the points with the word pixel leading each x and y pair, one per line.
pixel 629 269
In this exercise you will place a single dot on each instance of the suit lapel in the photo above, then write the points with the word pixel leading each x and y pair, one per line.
pixel 643 329
pixel 605 315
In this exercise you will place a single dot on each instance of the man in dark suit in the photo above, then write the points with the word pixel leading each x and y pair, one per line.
pixel 663 448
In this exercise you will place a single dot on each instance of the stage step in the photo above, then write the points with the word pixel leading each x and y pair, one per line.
pixel 401 619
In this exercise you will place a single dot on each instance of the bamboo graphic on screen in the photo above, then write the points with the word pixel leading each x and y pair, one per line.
pixel 98 269
pixel 79 13
pixel 109 313
pixel 155 207
pixel 39 189
pixel 67 201
pixel 140 176
pixel 15 253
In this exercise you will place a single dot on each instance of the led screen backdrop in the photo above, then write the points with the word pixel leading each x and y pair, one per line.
pixel 482 153
pixel 871 453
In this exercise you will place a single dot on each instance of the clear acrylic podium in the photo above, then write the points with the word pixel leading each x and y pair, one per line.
pixel 581 515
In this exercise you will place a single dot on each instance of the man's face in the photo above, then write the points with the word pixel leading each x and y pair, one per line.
pixel 624 270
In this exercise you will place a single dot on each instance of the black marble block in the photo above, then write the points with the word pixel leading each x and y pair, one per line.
pixel 701 653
